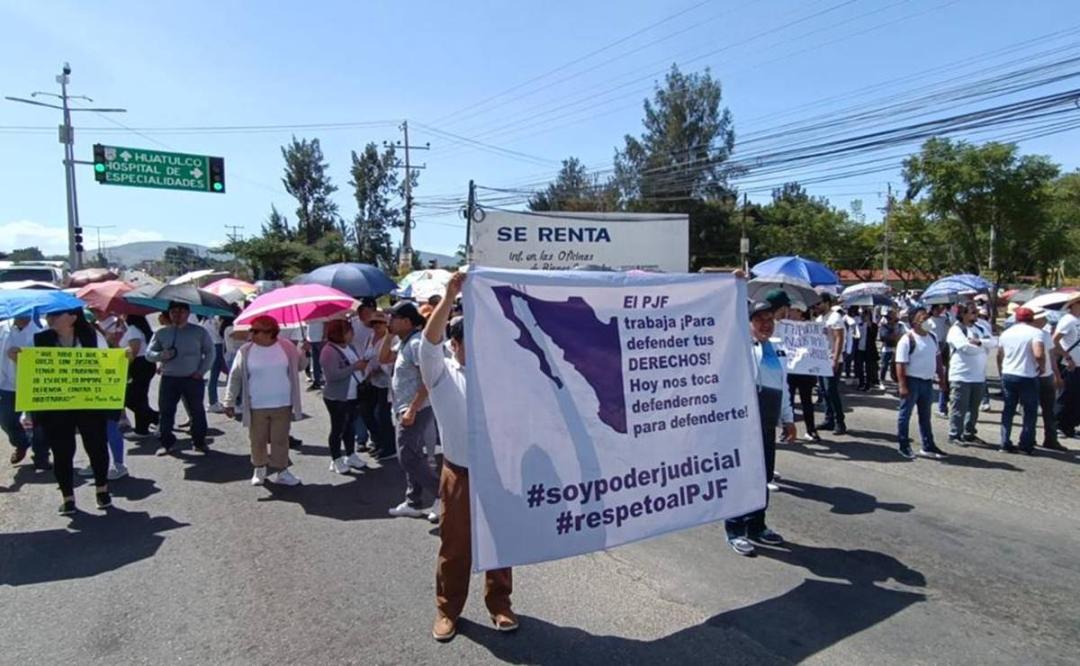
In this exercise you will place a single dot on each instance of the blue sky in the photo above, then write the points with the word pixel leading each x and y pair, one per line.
pixel 546 80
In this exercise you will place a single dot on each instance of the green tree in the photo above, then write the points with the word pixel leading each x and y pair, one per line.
pixel 181 259
pixel 375 183
pixel 276 226
pixel 688 138
pixel 795 222
pixel 32 253
pixel 1065 221
pixel 307 181
pixel 969 189
pixel 575 189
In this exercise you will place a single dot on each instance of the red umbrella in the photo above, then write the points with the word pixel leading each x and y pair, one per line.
pixel 106 298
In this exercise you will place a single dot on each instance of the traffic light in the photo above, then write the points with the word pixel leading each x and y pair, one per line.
pixel 78 239
pixel 99 163
pixel 217 174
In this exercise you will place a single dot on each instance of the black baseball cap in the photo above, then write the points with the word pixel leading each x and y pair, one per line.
pixel 757 307
pixel 368 302
pixel 407 310
pixel 456 329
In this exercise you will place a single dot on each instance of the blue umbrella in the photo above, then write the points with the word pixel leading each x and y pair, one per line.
pixel 356 280
pixel 955 284
pixel 797 267
pixel 201 302
pixel 35 302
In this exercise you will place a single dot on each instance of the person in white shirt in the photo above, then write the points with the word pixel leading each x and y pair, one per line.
pixel 361 342
pixel 938 326
pixel 1050 382
pixel 851 334
pixel 267 372
pixel 445 378
pixel 1067 340
pixel 1021 357
pixel 14 335
pixel 343 368
pixel 986 332
pixel 375 409
pixel 213 327
pixel 830 386
pixel 967 376
pixel 918 359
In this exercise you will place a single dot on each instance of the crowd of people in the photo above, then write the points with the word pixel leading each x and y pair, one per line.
pixel 393 385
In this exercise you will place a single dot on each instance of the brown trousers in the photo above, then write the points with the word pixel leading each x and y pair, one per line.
pixel 270 426
pixel 455 551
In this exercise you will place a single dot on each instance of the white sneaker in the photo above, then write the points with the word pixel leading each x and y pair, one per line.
pixel 355 461
pixel 259 477
pixel 339 465
pixel 773 487
pixel 86 472
pixel 217 408
pixel 881 387
pixel 403 510
pixel 433 514
pixel 117 472
pixel 286 478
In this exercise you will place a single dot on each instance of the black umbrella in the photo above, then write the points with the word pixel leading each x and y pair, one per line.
pixel 201 302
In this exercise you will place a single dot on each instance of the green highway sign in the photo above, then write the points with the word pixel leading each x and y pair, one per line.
pixel 138 167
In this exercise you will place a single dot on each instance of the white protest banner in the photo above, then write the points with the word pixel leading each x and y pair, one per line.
pixel 604 408
pixel 561 241
pixel 806 346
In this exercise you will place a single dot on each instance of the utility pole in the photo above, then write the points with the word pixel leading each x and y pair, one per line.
pixel 234 235
pixel 885 258
pixel 67 137
pixel 470 210
pixel 405 260
pixel 98 228
pixel 744 242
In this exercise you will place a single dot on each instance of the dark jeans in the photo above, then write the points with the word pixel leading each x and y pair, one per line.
pixel 9 422
pixel 216 368
pixel 316 364
pixel 834 406
pixel 1068 403
pixel 171 391
pixel 342 416
pixel 1047 397
pixel 137 396
pixel 888 365
pixel 859 357
pixel 375 412
pixel 920 396
pixel 1025 392
pixel 412 441
pixel 753 524
pixel 804 386
pixel 943 394
pixel 60 428
pixel 871 369
pixel 849 361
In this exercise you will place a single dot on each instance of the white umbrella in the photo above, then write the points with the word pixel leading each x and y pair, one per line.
pixel 866 288
pixel 422 285
pixel 1053 301
pixel 195 276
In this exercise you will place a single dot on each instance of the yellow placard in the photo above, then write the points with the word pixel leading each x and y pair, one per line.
pixel 52 378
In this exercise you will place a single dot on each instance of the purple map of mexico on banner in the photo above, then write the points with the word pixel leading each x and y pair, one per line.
pixel 605 408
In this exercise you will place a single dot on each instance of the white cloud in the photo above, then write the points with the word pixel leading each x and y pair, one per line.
pixel 24 233
pixel 53 239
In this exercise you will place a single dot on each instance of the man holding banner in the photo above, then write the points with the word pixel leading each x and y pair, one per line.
pixel 445 378
pixel 596 411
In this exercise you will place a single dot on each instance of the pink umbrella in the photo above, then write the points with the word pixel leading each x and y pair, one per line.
pixel 290 306
pixel 231 289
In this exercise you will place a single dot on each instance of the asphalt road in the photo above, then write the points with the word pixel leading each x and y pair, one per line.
pixel 972 560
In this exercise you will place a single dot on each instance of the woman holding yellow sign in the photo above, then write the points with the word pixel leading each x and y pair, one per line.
pixel 69 329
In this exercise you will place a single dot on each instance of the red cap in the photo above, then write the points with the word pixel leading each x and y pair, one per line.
pixel 1024 315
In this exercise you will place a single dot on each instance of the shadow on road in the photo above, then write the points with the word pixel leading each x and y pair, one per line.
pixel 792 627
pixel 93 544
pixel 26 475
pixel 367 496
pixel 854 449
pixel 216 466
pixel 844 501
